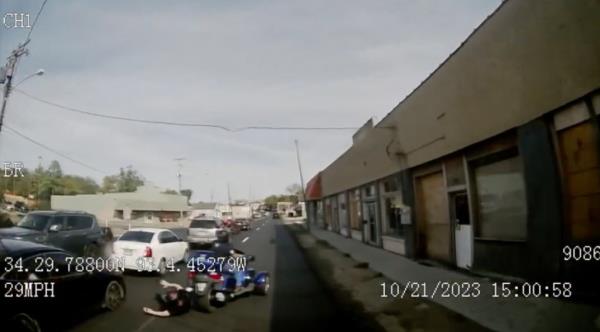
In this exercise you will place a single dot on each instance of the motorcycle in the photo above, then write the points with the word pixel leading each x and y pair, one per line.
pixel 214 281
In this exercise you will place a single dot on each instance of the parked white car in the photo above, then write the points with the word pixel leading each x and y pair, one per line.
pixel 150 249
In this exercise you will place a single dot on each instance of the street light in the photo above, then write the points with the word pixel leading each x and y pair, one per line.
pixel 8 87
pixel 39 72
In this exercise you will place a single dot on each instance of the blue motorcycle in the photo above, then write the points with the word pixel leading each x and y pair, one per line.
pixel 218 280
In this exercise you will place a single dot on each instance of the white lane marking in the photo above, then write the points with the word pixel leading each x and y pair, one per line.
pixel 245 239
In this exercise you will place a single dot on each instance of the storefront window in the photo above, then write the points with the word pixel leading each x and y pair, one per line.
pixel 335 219
pixel 320 213
pixel 369 191
pixel 393 213
pixel 342 214
pixel 328 213
pixel 502 204
pixel 391 201
pixel 391 185
pixel 371 215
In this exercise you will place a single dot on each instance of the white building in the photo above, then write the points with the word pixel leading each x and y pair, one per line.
pixel 147 203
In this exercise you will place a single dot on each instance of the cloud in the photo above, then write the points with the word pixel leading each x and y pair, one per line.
pixel 237 63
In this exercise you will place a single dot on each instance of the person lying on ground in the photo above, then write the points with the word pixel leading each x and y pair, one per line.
pixel 175 301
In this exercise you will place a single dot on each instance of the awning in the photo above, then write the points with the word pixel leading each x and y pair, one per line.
pixel 313 188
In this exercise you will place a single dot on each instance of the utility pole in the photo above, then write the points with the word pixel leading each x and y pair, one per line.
pixel 228 194
pixel 179 166
pixel 9 70
pixel 301 182
pixel 7 73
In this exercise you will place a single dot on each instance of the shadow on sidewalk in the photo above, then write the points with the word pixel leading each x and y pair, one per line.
pixel 301 301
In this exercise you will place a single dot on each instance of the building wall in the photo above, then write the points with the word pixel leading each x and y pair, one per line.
pixel 507 122
pixel 528 58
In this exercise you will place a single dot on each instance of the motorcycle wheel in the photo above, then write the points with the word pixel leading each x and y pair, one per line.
pixel 264 288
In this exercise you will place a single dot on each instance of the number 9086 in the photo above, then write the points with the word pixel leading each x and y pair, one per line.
pixel 581 253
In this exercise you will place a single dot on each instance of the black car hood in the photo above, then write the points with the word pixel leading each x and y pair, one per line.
pixel 16 231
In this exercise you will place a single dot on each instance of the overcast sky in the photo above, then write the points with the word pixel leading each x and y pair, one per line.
pixel 234 63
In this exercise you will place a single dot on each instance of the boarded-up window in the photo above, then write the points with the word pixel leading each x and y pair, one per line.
pixel 501 199
pixel 581 171
pixel 433 221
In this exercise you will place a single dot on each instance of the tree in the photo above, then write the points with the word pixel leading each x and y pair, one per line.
pixel 54 169
pixel 109 184
pixel 272 200
pixel 42 183
pixel 128 180
pixel 49 186
pixel 294 189
pixel 74 185
pixel 187 193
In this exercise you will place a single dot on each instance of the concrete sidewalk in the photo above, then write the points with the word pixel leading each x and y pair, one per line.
pixel 500 314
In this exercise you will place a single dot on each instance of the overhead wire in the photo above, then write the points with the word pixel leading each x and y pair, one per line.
pixel 36 19
pixel 173 123
pixel 42 145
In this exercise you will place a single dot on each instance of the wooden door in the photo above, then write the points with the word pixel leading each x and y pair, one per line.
pixel 433 224
pixel 580 162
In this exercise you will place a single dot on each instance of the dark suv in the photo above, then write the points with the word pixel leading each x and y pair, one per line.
pixel 77 232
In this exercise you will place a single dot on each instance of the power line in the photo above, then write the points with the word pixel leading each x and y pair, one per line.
pixel 171 123
pixel 115 117
pixel 53 150
pixel 36 19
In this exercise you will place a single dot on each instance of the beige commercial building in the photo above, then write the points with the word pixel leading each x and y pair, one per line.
pixel 492 164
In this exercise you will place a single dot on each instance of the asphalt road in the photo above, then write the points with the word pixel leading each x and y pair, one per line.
pixel 296 301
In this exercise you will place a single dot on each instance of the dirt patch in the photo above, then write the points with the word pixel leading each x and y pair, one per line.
pixel 359 290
